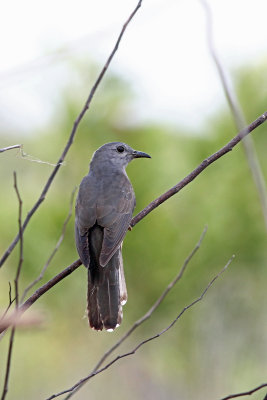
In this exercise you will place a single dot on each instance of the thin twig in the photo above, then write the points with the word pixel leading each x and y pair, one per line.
pixel 132 352
pixel 16 281
pixel 15 146
pixel 248 393
pixel 72 134
pixel 30 158
pixel 148 314
pixel 26 156
pixel 55 249
pixel 10 302
pixel 238 115
pixel 16 284
pixel 8 363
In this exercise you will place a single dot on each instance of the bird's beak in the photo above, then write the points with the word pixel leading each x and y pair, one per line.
pixel 140 154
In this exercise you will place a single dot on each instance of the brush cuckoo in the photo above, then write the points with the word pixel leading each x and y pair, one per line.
pixel 104 209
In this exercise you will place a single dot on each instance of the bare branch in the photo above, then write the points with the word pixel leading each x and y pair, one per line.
pixel 148 314
pixel 8 364
pixel 47 286
pixel 26 156
pixel 16 283
pixel 55 249
pixel 208 161
pixel 238 116
pixel 10 295
pixel 15 146
pixel 132 352
pixel 72 134
pixel 11 301
pixel 3 327
pixel 248 393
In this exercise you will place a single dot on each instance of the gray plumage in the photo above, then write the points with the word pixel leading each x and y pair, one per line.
pixel 104 209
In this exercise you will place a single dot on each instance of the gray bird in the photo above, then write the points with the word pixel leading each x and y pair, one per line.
pixel 104 209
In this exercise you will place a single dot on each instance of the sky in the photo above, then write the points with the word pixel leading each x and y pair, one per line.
pixel 163 55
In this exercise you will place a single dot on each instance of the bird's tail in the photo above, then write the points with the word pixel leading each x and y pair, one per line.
pixel 106 286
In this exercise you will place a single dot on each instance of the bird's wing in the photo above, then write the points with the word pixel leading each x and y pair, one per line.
pixel 116 221
pixel 85 216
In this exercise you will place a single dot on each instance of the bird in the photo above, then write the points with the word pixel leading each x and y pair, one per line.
pixel 103 212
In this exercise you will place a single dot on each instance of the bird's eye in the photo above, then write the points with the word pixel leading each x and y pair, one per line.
pixel 120 149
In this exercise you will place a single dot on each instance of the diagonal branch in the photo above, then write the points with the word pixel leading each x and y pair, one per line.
pixel 248 393
pixel 132 352
pixel 208 161
pixel 47 286
pixel 72 135
pixel 238 116
pixel 148 314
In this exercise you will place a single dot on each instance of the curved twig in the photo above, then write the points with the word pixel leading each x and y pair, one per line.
pixel 248 393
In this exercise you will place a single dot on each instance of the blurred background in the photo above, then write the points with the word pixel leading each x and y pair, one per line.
pixel 162 95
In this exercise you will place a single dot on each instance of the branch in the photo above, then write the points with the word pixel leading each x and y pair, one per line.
pixel 238 116
pixel 16 283
pixel 47 286
pixel 208 161
pixel 132 352
pixel 15 146
pixel 3 317
pixel 11 301
pixel 8 363
pixel 55 249
pixel 72 135
pixel 148 314
pixel 248 393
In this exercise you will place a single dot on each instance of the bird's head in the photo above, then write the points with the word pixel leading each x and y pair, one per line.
pixel 116 154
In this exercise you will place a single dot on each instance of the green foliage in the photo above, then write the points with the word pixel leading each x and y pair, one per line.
pixel 217 341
